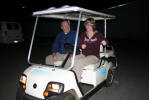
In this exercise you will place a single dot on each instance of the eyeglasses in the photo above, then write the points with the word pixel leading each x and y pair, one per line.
pixel 88 23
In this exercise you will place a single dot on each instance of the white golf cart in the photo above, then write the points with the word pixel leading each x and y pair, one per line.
pixel 48 82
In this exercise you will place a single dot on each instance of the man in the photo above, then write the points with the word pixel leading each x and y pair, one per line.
pixel 58 51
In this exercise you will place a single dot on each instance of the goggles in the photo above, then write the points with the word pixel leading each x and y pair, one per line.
pixel 88 23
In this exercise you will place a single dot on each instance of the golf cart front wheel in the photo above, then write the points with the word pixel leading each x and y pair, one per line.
pixel 64 96
pixel 110 78
pixel 20 93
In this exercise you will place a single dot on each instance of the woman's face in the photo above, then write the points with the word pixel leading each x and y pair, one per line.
pixel 88 26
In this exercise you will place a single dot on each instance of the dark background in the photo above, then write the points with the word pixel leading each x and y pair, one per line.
pixel 132 17
pixel 129 34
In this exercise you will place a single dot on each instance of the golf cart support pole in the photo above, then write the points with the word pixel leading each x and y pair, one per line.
pixel 105 33
pixel 105 27
pixel 76 41
pixel 31 45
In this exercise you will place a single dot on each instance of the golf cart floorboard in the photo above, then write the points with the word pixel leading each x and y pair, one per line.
pixel 85 87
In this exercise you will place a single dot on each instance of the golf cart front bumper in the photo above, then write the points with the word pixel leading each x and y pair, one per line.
pixel 28 97
pixel 64 96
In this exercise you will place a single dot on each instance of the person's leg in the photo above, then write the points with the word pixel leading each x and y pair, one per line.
pixel 77 57
pixel 50 60
pixel 81 63
pixel 77 65
pixel 60 57
pixel 89 60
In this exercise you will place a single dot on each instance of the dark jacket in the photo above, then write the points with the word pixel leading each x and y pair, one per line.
pixel 61 39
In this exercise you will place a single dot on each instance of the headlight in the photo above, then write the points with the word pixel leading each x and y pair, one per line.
pixel 54 88
pixel 23 79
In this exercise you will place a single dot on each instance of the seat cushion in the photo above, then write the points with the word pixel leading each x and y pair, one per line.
pixel 108 53
pixel 92 66
pixel 58 63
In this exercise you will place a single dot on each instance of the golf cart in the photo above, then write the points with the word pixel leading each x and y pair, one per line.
pixel 49 82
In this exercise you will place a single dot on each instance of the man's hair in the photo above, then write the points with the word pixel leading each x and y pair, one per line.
pixel 66 21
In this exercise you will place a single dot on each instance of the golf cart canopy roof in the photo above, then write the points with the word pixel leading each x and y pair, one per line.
pixel 72 13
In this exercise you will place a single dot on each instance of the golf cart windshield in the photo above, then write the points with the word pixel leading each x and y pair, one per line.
pixel 70 13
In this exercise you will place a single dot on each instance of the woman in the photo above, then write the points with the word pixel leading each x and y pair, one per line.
pixel 89 43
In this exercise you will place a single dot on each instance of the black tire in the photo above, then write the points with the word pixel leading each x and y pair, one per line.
pixel 110 78
pixel 64 96
pixel 20 93
pixel 114 62
pixel 68 96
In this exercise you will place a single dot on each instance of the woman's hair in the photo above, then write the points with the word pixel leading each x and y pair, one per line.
pixel 91 22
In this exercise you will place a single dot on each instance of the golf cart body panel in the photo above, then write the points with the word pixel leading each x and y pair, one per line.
pixel 40 75
pixel 37 77
pixel 97 74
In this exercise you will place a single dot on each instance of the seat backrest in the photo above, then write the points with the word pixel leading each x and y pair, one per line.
pixel 101 48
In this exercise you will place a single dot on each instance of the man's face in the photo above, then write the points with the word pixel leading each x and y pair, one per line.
pixel 65 26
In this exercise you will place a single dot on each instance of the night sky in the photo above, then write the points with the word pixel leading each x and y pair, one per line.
pixel 14 9
pixel 133 12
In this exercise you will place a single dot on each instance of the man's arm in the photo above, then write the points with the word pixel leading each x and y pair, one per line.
pixel 54 56
pixel 55 45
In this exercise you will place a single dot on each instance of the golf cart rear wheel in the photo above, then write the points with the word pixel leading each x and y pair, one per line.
pixel 110 78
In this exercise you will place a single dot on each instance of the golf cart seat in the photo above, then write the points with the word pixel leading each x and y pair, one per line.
pixel 58 63
pixel 108 52
pixel 102 54
pixel 92 72
pixel 92 66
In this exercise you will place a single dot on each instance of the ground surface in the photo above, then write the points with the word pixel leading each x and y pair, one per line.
pixel 131 81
